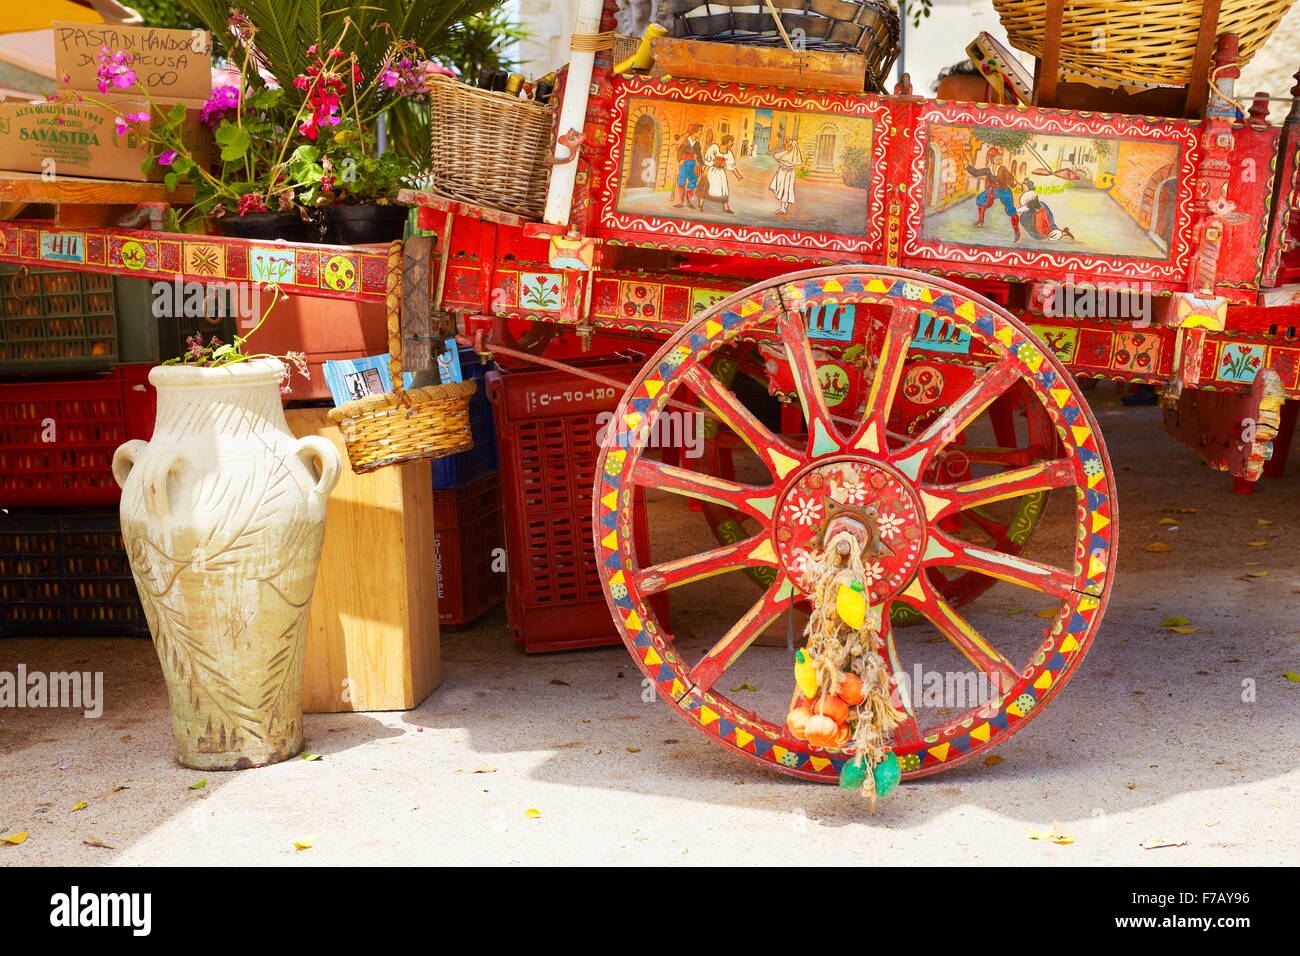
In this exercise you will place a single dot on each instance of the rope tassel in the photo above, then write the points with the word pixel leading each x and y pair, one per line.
pixel 841 675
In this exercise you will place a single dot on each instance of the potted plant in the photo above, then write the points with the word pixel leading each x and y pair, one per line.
pixel 299 83
pixel 223 516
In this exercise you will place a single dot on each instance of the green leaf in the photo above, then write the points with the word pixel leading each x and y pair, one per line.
pixel 170 181
pixel 233 140
pixel 267 99
pixel 176 115
pixel 182 164
pixel 200 785
pixel 311 756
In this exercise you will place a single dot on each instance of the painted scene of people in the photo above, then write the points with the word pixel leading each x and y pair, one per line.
pixel 1012 188
pixel 746 166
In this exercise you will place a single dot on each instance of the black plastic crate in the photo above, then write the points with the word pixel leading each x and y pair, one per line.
pixel 66 574
pixel 56 320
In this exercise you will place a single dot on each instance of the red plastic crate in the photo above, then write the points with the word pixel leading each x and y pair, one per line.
pixel 546 433
pixel 467 533
pixel 87 420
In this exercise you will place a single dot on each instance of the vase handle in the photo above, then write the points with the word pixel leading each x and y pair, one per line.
pixel 326 459
pixel 124 459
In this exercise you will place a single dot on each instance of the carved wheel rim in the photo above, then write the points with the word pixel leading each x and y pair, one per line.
pixel 679 370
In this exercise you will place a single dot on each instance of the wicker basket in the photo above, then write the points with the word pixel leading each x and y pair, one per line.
pixel 1140 40
pixel 402 426
pixel 489 148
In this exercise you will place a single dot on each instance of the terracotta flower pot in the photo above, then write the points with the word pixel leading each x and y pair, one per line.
pixel 223 515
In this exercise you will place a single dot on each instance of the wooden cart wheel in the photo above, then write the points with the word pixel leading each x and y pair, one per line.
pixel 879 473
pixel 1009 535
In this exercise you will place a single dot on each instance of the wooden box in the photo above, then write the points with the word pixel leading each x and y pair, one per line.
pixel 372 638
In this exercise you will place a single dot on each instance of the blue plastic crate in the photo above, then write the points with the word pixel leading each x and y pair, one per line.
pixel 460 469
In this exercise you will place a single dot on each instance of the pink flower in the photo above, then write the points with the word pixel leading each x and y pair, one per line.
pixel 167 158
pixel 114 70
pixel 224 100
pixel 250 202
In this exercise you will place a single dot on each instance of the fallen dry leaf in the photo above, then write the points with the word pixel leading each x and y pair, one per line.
pixel 532 813
pixel 484 768
pixel 1184 630
pixel 1155 843
pixel 15 839
pixel 1056 834
pixel 992 760
pixel 94 841
pixel 1182 511
pixel 120 786
pixel 1158 547
pixel 1257 544
pixel 1175 622
pixel 306 844
pixel 634 750
pixel 1264 522
pixel 79 805
pixel 1047 612
pixel 1168 522
pixel 1292 676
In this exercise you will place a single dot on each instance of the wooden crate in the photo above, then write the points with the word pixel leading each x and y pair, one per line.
pixel 761 65
pixel 372 639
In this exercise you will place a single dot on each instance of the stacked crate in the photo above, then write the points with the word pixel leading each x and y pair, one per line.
pixel 75 353
pixel 469 540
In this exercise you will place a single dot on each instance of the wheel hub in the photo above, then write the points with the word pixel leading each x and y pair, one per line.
pixel 872 502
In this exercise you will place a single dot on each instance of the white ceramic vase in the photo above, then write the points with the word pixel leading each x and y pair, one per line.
pixel 223 515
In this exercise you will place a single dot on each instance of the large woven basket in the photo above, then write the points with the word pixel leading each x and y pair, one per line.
pixel 402 426
pixel 489 148
pixel 1140 40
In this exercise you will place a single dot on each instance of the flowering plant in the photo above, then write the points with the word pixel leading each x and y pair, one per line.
pixel 216 353
pixel 282 146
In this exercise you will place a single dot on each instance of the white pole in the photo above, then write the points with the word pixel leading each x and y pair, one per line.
pixel 573 115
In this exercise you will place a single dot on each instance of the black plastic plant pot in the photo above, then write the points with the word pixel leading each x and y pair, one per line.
pixel 267 225
pixel 359 225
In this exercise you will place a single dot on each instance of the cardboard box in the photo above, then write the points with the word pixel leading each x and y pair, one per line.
pixel 79 138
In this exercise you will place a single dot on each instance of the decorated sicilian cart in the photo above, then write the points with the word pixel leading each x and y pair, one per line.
pixel 920 285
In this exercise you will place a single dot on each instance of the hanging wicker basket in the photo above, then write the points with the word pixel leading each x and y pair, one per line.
pixel 489 148
pixel 403 426
pixel 1151 41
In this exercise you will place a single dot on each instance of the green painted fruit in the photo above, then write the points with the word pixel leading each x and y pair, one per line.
pixel 888 773
pixel 854 774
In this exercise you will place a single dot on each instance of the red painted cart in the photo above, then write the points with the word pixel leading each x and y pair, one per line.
pixel 902 273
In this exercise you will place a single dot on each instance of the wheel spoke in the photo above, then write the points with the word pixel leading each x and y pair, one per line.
pixel 914 458
pixel 737 640
pixel 757 550
pixel 750 500
pixel 880 399
pixel 1057 582
pixel 922 595
pixel 822 436
pixel 776 454
pixel 943 500
pixel 907 731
